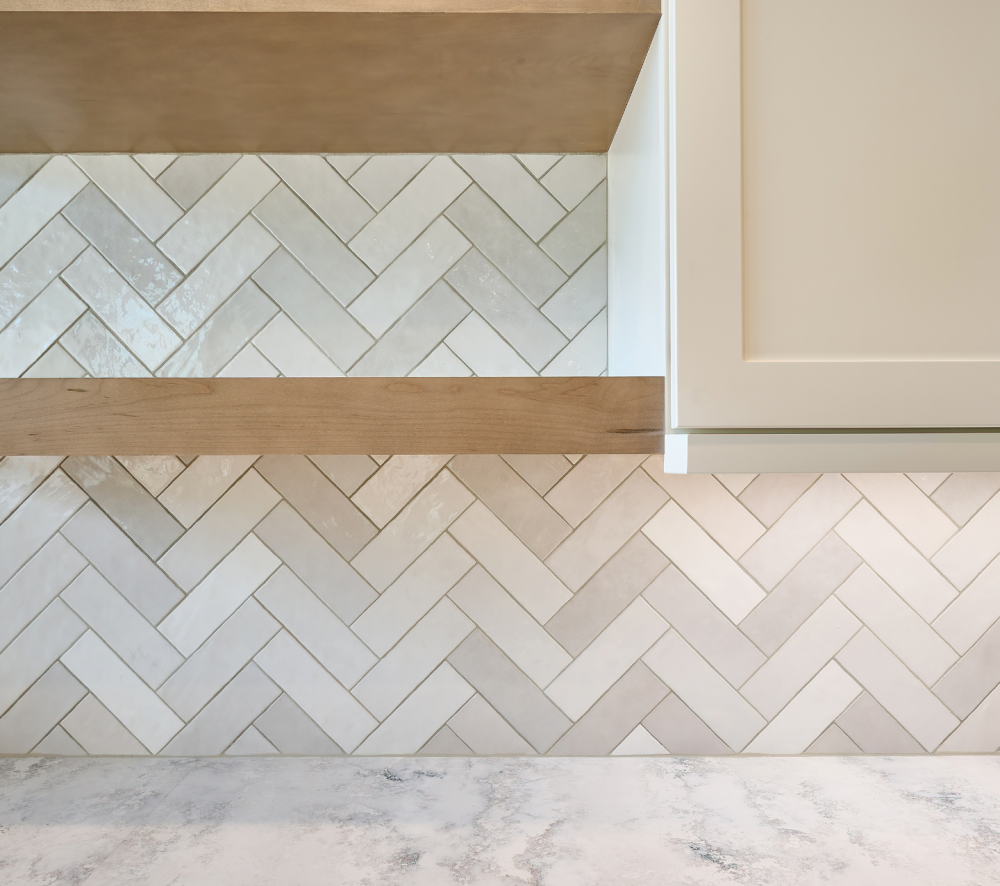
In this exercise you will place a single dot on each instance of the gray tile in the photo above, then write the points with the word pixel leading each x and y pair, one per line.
pixel 140 515
pixel 15 170
pixel 239 319
pixel 520 196
pixel 37 327
pixel 385 175
pixel 21 475
pixel 92 345
pixel 134 640
pixel 961 495
pixel 332 199
pixel 291 351
pixel 154 164
pixel 291 731
pixel 51 697
pixel 575 176
pixel 607 594
pixel 477 346
pixel 313 244
pixel 155 472
pixel 704 626
pixel 444 743
pixel 442 363
pixel 55 363
pixel 98 731
pixel 121 309
pixel 330 512
pixel 129 251
pixel 974 676
pixel 539 164
pixel 507 246
pixel 513 695
pixel 37 265
pixel 348 472
pixel 36 585
pixel 313 309
pixel 251 744
pixel 833 742
pixel 481 728
pixel 410 211
pixel 203 483
pixel 226 716
pixel 874 731
pixel 58 743
pixel 219 276
pixel 614 716
pixel 800 594
pixel 191 175
pixel 410 275
pixel 582 297
pixel 504 492
pixel 541 472
pixel 681 731
pixel 581 233
pixel 219 659
pixel 415 335
pixel 347 164
pixel 587 354
pixel 506 309
pixel 206 224
pixel 316 563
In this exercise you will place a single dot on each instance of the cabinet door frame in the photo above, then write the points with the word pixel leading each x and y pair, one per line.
pixel 712 386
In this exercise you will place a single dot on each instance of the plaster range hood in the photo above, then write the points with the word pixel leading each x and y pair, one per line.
pixel 831 209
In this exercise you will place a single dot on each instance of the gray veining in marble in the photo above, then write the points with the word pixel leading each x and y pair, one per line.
pixel 484 822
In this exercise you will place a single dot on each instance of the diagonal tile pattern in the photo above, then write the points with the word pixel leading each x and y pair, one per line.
pixel 489 605
pixel 201 265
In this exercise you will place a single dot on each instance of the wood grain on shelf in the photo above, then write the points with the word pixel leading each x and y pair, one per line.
pixel 309 416
pixel 323 82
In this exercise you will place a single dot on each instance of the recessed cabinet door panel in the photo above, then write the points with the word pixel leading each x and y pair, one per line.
pixel 836 236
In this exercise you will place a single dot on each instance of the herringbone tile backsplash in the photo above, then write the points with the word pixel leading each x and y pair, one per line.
pixel 492 605
pixel 203 265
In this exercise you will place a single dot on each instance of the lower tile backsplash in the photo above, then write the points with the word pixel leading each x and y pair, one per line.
pixel 492 605
pixel 300 264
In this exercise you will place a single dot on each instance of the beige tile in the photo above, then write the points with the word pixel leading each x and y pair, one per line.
pixel 960 496
pixel 504 492
pixel 444 743
pixel 681 731
pixel 578 236
pixel 191 175
pixel 292 352
pixel 614 716
pixel 968 552
pixel 348 472
pixel 795 533
pixel 248 363
pixel 98 731
pixel 252 744
pixel 704 691
pixel 58 743
pixel 219 530
pixel 973 611
pixel 616 520
pixel 395 483
pixel 155 472
pixel 897 690
pixel 927 483
pixel 973 677
pixel 347 164
pixel 20 475
pixel 592 480
pixel 800 594
pixel 807 715
pixel 639 743
pixel 587 354
pixel 539 164
pixel 36 712
pixel 979 733
pixel 413 530
pixel 918 519
pixel 520 637
pixel 710 632
pixel 602 663
pixel 916 644
pixel 412 595
pixel 37 327
pixel 540 472
pixel 614 586
pixel 516 698
pixel 902 567
pixel 706 564
pixel 441 363
pixel 833 742
pixel 477 346
pixel 292 731
pixel 802 657
pixel 326 508
pixel 410 726
pixel 412 659
pixel 203 483
pixel 483 730
pixel 736 483
pixel 710 505
pixel 385 175
pixel 507 559
pixel 768 496
pixel 872 729
pixel 305 552
pixel 575 176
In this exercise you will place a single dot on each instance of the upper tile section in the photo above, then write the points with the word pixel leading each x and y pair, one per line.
pixel 123 265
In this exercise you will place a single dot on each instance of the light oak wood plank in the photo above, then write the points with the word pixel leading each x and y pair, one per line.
pixel 309 416
pixel 325 82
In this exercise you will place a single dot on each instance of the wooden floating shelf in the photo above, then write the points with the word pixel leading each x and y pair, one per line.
pixel 330 416
pixel 429 76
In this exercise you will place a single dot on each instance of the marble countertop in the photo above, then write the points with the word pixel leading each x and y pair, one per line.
pixel 557 822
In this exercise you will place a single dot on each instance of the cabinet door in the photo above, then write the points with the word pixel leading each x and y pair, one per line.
pixel 835 214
